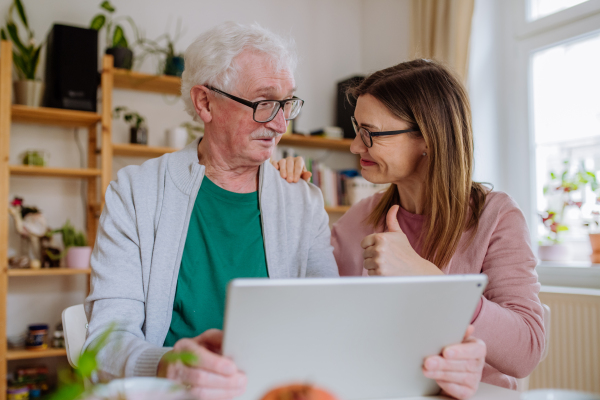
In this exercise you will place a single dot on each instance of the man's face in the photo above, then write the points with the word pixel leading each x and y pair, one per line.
pixel 246 141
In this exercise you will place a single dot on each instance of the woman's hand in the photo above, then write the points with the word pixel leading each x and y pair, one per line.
pixel 390 253
pixel 458 370
pixel 292 169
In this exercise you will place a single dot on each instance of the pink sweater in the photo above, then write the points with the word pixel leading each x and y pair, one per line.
pixel 510 317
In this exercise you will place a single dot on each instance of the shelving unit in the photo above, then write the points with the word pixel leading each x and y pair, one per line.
pixel 12 113
pixel 30 354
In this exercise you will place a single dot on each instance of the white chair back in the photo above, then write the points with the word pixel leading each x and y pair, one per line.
pixel 75 330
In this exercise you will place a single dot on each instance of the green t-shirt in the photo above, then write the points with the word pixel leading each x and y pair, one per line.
pixel 224 241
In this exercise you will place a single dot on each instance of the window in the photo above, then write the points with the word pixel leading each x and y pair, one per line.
pixel 541 8
pixel 563 80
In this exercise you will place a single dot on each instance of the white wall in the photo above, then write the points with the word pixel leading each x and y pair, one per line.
pixel 485 91
pixel 332 37
pixel 386 29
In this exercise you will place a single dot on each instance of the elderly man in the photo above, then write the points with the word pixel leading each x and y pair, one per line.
pixel 178 228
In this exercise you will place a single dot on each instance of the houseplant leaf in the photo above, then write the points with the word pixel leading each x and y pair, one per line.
pixel 118 36
pixel 14 36
pixel 21 12
pixel 98 22
pixel 107 6
pixel 3 34
pixel 35 61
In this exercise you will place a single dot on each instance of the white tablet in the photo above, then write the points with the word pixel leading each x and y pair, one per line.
pixel 359 338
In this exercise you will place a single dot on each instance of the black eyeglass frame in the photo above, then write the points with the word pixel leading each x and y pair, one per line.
pixel 254 104
pixel 357 129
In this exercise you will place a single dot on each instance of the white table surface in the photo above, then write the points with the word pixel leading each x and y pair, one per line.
pixel 485 392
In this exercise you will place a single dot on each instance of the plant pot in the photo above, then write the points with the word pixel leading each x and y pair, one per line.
pixel 79 257
pixel 174 66
pixel 553 252
pixel 138 135
pixel 122 57
pixel 177 137
pixel 29 93
pixel 595 242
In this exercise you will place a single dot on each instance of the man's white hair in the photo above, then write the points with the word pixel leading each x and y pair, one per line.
pixel 210 59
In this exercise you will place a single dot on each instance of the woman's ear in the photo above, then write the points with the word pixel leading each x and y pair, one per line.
pixel 199 96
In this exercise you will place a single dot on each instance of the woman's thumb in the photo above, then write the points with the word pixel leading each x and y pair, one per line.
pixel 392 219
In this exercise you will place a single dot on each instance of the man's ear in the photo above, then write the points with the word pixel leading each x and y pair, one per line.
pixel 199 96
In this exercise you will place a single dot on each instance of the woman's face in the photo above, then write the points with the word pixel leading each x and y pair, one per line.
pixel 392 159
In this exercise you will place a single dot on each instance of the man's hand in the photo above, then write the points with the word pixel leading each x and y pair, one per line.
pixel 213 376
pixel 390 253
pixel 458 370
pixel 292 169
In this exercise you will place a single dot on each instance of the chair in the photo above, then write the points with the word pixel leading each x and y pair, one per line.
pixel 75 326
pixel 523 384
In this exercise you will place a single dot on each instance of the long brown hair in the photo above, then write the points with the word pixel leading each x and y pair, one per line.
pixel 431 99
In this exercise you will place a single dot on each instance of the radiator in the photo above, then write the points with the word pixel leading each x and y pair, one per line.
pixel 573 360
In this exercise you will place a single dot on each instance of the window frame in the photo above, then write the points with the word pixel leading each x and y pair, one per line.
pixel 570 24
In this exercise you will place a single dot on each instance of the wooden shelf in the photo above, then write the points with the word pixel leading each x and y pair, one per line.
pixel 337 209
pixel 23 354
pixel 53 116
pixel 139 150
pixel 316 142
pixel 48 272
pixel 30 170
pixel 126 79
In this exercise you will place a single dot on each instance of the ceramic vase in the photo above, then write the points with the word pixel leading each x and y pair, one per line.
pixel 122 57
pixel 177 137
pixel 138 135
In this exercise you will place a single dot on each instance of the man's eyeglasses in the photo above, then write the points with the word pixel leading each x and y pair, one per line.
pixel 266 110
pixel 367 136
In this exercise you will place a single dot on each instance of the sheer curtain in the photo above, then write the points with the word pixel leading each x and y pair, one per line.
pixel 440 30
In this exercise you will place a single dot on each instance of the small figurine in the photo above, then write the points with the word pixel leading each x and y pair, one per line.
pixel 31 224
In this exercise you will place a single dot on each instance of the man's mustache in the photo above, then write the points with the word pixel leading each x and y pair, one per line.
pixel 264 133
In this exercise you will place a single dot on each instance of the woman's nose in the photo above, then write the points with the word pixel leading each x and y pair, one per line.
pixel 357 146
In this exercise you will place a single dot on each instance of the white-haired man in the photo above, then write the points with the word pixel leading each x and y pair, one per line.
pixel 176 229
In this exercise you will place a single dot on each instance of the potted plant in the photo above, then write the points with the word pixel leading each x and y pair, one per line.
pixel 26 57
pixel 77 251
pixel 115 35
pixel 82 383
pixel 137 124
pixel 565 192
pixel 173 62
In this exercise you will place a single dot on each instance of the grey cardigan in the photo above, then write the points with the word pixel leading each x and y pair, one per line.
pixel 140 240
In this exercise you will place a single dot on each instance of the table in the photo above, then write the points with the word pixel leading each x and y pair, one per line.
pixel 485 392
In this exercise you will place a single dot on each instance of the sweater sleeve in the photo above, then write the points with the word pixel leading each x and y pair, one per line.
pixel 117 300
pixel 510 320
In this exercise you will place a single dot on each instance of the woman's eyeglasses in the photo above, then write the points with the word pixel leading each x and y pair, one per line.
pixel 367 136
pixel 266 110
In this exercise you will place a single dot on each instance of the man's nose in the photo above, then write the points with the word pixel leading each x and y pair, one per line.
pixel 278 124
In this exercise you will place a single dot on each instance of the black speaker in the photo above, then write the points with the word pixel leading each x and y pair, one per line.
pixel 344 108
pixel 71 68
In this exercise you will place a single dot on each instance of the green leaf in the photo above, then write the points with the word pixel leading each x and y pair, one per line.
pixel 118 36
pixel 35 61
pixel 87 364
pixel 21 12
pixel 98 22
pixel 3 34
pixel 107 6
pixel 562 228
pixel 552 175
pixel 20 64
pixel 14 36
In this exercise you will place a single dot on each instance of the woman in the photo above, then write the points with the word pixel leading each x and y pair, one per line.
pixel 413 124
